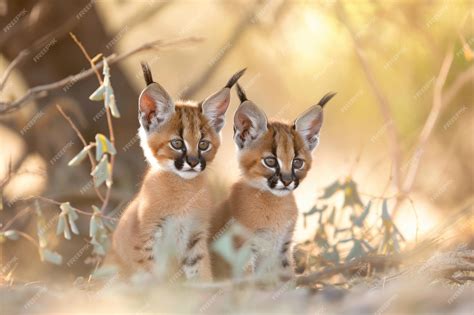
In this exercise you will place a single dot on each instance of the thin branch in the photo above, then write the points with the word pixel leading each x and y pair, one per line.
pixel 108 192
pixel 57 33
pixel 78 132
pixel 112 159
pixel 41 90
pixel 83 140
pixel 461 80
pixel 383 102
pixel 28 237
pixel 84 52
pixel 190 90
pixel 54 202
pixel 21 56
pixel 145 14
pixel 17 216
pixel 430 121
pixel 348 266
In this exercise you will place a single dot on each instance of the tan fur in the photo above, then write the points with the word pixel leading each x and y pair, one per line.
pixel 287 144
pixel 194 126
pixel 165 197
pixel 165 228
pixel 152 204
pixel 263 213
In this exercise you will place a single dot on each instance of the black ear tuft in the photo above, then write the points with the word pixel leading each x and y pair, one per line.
pixel 326 98
pixel 241 94
pixel 235 78
pixel 147 73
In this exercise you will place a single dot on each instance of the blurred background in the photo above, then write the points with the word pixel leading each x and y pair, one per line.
pixel 400 124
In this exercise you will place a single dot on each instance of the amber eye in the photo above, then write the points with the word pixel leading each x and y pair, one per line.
pixel 204 145
pixel 270 161
pixel 298 163
pixel 177 144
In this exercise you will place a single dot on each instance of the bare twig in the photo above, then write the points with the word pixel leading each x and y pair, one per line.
pixel 16 217
pixel 190 90
pixel 84 52
pixel 21 56
pixel 41 90
pixel 105 201
pixel 83 140
pixel 78 132
pixel 151 9
pixel 461 80
pixel 28 237
pixel 383 102
pixel 348 266
pixel 430 121
pixel 54 202
pixel 56 33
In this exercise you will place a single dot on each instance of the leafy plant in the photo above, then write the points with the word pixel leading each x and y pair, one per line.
pixel 101 172
pixel 346 230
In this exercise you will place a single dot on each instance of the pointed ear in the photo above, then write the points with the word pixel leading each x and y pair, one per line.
pixel 250 122
pixel 155 105
pixel 215 106
pixel 309 124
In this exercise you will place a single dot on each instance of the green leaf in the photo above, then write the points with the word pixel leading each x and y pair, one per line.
pixel 109 96
pixel 98 95
pixel 98 248
pixel 396 245
pixel 359 221
pixel 320 238
pixel 80 156
pixel 11 235
pixel 73 225
pixel 101 171
pixel 314 210
pixel 50 256
pixel 356 251
pixel 367 246
pixel 103 145
pixel 67 232
pixel 93 227
pixel 332 255
pixel 68 215
pixel 385 215
pixel 61 224
pixel 332 216
pixel 331 190
pixel 113 108
pixel 41 226
pixel 351 194
pixel 106 271
pixel 96 224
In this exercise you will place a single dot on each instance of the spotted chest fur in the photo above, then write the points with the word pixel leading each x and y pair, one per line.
pixel 271 250
pixel 166 235
pixel 177 243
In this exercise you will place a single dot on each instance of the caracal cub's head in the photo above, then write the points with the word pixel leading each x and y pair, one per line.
pixel 276 156
pixel 182 137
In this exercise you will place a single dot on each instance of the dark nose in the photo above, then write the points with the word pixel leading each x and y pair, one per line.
pixel 192 161
pixel 286 179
